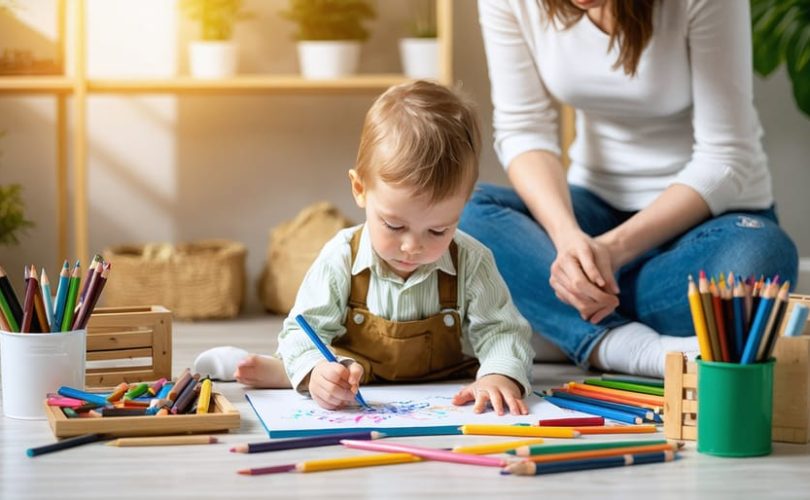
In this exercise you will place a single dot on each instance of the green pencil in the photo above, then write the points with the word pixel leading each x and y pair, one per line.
pixel 626 386
pixel 70 304
pixel 634 379
pixel 10 319
pixel 547 449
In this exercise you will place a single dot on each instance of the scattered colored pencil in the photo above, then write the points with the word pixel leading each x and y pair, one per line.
pixel 163 440
pixel 592 409
pixel 64 444
pixel 306 442
pixel 608 452
pixel 518 431
pixel 490 448
pixel 547 449
pixel 424 452
pixel 571 422
pixel 535 469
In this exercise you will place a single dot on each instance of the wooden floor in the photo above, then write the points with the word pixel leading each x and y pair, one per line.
pixel 98 471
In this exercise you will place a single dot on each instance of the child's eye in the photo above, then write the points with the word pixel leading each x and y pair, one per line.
pixel 437 232
pixel 392 227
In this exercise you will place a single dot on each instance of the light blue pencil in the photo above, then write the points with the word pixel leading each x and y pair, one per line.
pixel 61 297
pixel 798 318
pixel 325 351
pixel 47 300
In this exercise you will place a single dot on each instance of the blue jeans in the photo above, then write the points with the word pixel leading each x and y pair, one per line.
pixel 653 286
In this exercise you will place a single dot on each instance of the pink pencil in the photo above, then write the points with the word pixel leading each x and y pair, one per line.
pixel 429 453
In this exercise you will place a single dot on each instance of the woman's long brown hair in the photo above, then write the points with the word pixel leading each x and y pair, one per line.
pixel 634 26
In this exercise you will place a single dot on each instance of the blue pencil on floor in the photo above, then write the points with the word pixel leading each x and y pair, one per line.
pixel 325 351
pixel 601 411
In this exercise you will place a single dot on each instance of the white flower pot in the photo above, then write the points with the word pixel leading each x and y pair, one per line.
pixel 213 60
pixel 420 57
pixel 328 59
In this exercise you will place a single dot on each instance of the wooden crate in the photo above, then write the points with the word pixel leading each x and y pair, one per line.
pixel 791 388
pixel 133 344
pixel 222 417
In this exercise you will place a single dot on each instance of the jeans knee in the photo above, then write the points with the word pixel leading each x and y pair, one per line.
pixel 773 254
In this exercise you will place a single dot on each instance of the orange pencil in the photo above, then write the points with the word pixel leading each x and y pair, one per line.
pixel 708 312
pixel 574 455
pixel 617 429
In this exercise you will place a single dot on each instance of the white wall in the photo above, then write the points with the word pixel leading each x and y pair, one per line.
pixel 167 168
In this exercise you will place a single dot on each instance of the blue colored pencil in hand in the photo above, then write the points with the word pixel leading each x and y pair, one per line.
pixel 325 351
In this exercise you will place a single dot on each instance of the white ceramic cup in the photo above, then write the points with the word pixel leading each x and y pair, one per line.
pixel 34 364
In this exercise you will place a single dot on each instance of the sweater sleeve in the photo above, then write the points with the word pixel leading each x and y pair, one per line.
pixel 726 128
pixel 322 300
pixel 499 335
pixel 524 116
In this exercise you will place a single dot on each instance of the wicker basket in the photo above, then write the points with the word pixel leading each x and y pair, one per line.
pixel 204 279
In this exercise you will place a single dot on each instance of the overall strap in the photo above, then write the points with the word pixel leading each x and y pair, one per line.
pixel 360 281
pixel 448 284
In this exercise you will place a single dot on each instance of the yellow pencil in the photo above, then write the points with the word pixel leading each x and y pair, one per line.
pixel 489 448
pixel 699 321
pixel 519 431
pixel 163 440
pixel 357 461
pixel 204 398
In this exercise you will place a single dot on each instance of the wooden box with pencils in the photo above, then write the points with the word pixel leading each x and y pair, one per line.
pixel 221 417
pixel 791 379
pixel 128 344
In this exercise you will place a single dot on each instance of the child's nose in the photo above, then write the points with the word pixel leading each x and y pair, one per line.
pixel 411 245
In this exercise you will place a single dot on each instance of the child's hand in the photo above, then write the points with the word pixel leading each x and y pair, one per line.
pixel 494 389
pixel 333 385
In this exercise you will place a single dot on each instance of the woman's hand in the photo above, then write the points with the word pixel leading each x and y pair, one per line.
pixel 496 390
pixel 582 276
pixel 333 385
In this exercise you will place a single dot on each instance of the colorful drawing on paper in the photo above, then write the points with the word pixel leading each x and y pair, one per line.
pixel 286 413
pixel 431 409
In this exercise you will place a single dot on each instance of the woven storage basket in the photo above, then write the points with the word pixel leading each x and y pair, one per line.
pixel 204 279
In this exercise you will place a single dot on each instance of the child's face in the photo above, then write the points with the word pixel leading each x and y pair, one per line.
pixel 406 230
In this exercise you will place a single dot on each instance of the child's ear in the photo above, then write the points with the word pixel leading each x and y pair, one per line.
pixel 358 188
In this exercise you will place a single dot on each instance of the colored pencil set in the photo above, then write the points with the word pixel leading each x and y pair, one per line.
pixel 735 320
pixel 40 312
pixel 189 394
pixel 622 398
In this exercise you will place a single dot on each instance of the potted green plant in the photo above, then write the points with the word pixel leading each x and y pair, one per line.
pixel 781 34
pixel 419 52
pixel 330 34
pixel 12 216
pixel 214 54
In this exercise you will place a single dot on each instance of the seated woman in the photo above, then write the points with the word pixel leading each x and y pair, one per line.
pixel 667 176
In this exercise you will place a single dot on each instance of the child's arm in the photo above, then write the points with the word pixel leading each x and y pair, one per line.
pixel 499 335
pixel 322 299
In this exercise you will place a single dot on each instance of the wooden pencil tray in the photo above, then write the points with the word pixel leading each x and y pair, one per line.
pixel 222 418
pixel 134 344
pixel 791 388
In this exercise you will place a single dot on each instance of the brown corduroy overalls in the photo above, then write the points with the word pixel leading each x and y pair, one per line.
pixel 405 351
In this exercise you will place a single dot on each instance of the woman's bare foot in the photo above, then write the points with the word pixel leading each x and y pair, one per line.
pixel 263 372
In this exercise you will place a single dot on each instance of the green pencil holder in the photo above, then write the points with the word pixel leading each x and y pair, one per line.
pixel 735 407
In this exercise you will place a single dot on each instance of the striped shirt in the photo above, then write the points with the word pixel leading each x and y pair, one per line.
pixel 493 331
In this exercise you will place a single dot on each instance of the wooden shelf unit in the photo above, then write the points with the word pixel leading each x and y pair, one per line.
pixel 77 86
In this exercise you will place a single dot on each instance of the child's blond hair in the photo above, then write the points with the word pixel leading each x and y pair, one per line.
pixel 421 135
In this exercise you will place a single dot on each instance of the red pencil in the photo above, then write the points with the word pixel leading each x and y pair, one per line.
pixel 572 422
pixel 719 322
